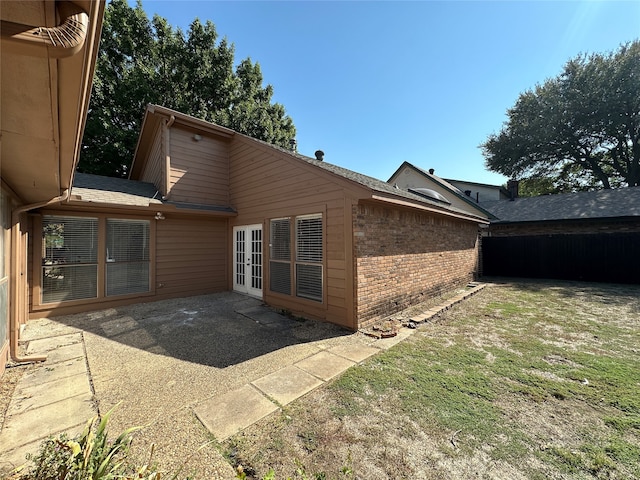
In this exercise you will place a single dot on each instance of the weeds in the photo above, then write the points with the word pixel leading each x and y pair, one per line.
pixel 88 456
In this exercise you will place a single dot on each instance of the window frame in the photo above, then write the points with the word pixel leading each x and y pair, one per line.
pixel 298 260
pixel 303 256
pixel 38 246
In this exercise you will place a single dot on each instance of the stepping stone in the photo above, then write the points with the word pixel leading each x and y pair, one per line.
pixel 287 384
pixel 355 353
pixel 324 365
pixel 234 411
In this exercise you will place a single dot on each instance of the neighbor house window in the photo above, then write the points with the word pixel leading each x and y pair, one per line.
pixel 306 252
pixel 70 258
pixel 127 256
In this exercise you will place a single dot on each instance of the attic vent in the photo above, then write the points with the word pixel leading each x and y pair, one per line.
pixel 319 155
pixel 431 195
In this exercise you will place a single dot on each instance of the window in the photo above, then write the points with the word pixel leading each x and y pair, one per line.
pixel 127 256
pixel 77 250
pixel 280 256
pixel 307 254
pixel 309 257
pixel 69 260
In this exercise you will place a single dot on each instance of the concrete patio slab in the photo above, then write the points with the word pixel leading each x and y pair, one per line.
pixel 37 395
pixel 227 414
pixel 44 345
pixel 287 384
pixel 57 354
pixel 45 328
pixel 38 423
pixel 50 372
pixel 324 365
pixel 355 353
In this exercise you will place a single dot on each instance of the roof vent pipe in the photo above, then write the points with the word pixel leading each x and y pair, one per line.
pixel 293 144
pixel 319 155
pixel 431 170
pixel 63 40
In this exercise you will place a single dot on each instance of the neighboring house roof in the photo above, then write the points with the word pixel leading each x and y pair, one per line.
pixel 499 188
pixel 443 184
pixel 124 192
pixel 622 202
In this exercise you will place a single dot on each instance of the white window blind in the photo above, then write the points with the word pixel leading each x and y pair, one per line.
pixel 280 256
pixel 69 260
pixel 127 256
pixel 309 257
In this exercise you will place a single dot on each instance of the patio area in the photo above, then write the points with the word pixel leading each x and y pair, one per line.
pixel 192 372
pixel 173 367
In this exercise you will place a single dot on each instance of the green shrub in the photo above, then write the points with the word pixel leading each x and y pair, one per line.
pixel 88 456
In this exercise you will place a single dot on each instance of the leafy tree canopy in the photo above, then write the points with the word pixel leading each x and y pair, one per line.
pixel 578 131
pixel 145 61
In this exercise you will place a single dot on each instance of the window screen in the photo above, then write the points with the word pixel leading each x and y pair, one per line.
pixel 309 257
pixel 280 256
pixel 69 260
pixel 127 256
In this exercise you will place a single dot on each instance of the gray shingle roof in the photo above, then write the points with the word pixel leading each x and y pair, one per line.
pixel 370 182
pixel 119 191
pixel 622 202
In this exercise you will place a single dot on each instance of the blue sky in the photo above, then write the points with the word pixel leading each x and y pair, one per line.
pixel 373 84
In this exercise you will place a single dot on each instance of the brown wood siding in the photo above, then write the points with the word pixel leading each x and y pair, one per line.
pixel 191 257
pixel 265 185
pixel 199 169
pixel 153 170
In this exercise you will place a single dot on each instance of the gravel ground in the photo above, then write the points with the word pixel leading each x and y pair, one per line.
pixel 157 361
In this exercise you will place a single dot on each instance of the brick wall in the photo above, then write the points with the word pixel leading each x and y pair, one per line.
pixel 403 257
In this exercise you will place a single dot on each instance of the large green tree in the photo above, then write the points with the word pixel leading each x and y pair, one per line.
pixel 577 131
pixel 145 61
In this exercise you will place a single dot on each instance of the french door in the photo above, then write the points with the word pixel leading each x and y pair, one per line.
pixel 247 259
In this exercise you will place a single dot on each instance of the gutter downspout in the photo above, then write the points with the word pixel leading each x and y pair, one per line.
pixel 63 40
pixel 14 324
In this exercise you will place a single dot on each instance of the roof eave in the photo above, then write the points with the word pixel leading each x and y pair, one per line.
pixel 404 202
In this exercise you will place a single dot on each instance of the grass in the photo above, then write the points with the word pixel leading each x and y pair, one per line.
pixel 535 380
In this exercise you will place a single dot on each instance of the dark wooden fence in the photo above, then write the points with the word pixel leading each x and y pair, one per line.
pixel 611 257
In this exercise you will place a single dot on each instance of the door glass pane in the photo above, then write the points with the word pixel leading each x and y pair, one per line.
pixel 256 259
pixel 240 267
